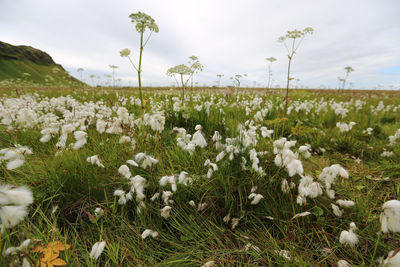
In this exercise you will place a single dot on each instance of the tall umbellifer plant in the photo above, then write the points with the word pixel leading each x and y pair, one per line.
pixel 342 81
pixel 113 67
pixel 292 41
pixel 236 79
pixel 219 76
pixel 271 60
pixel 196 67
pixel 143 22
pixel 181 70
pixel 80 70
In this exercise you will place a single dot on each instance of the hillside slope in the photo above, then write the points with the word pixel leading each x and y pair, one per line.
pixel 28 66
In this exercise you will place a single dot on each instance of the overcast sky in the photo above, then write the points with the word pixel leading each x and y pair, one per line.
pixel 228 36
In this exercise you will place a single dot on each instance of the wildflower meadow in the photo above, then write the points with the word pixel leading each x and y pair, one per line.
pixel 102 173
pixel 89 178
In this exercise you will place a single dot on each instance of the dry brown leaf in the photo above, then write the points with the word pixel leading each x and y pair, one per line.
pixel 51 253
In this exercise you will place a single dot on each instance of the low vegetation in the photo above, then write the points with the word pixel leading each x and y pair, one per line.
pixel 217 179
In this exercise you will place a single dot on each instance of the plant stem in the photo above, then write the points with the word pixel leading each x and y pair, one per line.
pixel 140 68
pixel 287 85
pixel 269 75
pixel 183 89
pixel 113 79
pixel 376 245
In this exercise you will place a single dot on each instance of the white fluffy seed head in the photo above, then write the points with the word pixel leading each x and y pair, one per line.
pixel 390 216
pixel 97 249
pixel 17 196
pixel 12 215
pixel 165 212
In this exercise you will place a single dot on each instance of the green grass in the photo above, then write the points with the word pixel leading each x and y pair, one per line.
pixel 190 237
pixel 13 73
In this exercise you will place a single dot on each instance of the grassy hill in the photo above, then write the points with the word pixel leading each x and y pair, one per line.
pixel 28 66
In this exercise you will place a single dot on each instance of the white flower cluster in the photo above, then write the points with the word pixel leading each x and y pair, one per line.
pixel 285 157
pixel 189 143
pixel 182 178
pixel 344 127
pixel 339 108
pixel 256 198
pixel 137 184
pixel 255 162
pixel 143 160
pixel 94 160
pixel 156 121
pixel 368 131
pixel 212 168
pixel 329 175
pixel 387 154
pixel 393 138
pixel 81 139
pixel 308 188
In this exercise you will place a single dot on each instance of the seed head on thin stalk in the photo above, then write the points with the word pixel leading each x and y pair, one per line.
pixel 292 41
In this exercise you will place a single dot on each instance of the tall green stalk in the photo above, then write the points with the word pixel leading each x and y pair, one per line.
pixel 143 22
pixel 140 68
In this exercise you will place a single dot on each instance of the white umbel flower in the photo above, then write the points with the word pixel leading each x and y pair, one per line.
pixel 349 238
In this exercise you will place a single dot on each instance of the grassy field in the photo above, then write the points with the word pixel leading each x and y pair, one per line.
pixel 211 219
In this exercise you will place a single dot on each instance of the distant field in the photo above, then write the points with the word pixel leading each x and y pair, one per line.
pixel 223 175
